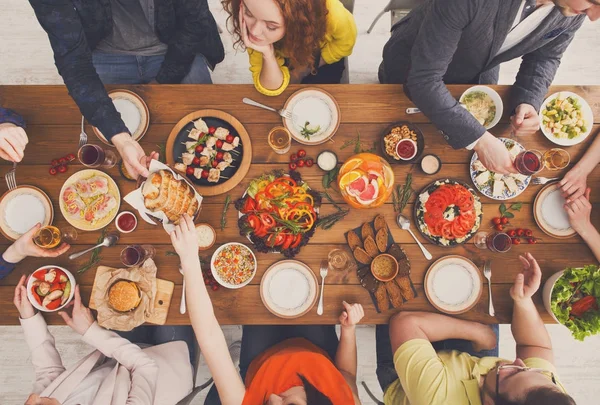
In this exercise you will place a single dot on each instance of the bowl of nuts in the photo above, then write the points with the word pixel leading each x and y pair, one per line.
pixel 398 138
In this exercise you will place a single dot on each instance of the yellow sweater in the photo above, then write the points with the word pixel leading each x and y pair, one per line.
pixel 339 39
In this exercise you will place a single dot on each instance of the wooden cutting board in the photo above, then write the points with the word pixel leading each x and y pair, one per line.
pixel 162 302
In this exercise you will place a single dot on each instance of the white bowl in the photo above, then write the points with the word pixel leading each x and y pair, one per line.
pixel 219 279
pixel 495 98
pixel 120 215
pixel 32 279
pixel 547 293
pixel 586 111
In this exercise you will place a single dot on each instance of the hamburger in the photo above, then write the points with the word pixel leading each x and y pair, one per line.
pixel 124 296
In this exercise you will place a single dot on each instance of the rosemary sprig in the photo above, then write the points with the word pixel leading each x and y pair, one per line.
pixel 328 221
pixel 402 194
pixel 171 253
pixel 358 145
pixel 224 215
pixel 95 257
pixel 162 152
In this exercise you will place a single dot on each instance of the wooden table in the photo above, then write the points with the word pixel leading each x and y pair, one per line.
pixel 54 125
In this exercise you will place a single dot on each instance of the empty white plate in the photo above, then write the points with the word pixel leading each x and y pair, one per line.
pixel 319 109
pixel 288 289
pixel 134 113
pixel 22 208
pixel 453 284
pixel 550 214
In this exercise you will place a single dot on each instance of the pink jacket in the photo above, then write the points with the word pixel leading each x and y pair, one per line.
pixel 160 375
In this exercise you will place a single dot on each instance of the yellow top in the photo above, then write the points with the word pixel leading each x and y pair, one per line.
pixel 447 377
pixel 339 39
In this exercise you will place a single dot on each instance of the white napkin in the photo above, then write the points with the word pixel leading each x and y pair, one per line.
pixel 136 199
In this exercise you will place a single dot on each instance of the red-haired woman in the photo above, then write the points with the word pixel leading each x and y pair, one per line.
pixel 293 40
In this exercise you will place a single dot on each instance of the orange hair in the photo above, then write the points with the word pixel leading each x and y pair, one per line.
pixel 305 25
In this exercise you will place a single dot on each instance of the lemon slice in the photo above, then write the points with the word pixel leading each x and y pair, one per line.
pixel 349 177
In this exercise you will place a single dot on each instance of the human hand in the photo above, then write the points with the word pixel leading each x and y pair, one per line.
pixel 486 340
pixel 21 301
pixel 528 282
pixel 525 121
pixel 579 212
pixel 266 50
pixel 13 140
pixel 574 184
pixel 351 315
pixel 494 155
pixel 24 247
pixel 82 316
pixel 185 241
pixel 135 159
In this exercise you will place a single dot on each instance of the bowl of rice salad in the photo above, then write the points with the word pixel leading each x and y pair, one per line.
pixel 233 265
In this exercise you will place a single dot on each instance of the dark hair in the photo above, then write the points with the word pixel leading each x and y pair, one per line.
pixel 313 395
pixel 540 396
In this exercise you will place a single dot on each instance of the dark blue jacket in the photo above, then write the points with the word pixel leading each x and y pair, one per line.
pixel 75 27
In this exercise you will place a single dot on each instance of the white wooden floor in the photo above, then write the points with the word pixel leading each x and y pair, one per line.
pixel 26 58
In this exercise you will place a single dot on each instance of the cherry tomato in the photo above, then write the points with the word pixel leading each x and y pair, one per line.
pixel 54 162
pixel 214 164
pixel 219 144
pixel 189 171
pixel 229 138
pixel 206 281
pixel 300 162
pixel 204 174
pixel 199 148
pixel 504 220
pixel 496 221
pixel 62 160
pixel 528 233
pixel 293 157
pixel 214 287
pixel 219 155
pixel 293 166
pixel 62 168
pixel 520 232
pixel 70 157
pixel 512 233
pixel 52 171
pixel 211 130
pixel 309 162
pixel 532 241
pixel 516 241
pixel 196 161
pixel 301 153
pixel 498 227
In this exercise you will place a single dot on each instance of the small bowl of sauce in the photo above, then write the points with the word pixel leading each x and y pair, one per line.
pixel 126 222
pixel 431 164
pixel 384 267
pixel 406 149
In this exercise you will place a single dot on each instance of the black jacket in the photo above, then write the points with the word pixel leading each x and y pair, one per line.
pixel 75 27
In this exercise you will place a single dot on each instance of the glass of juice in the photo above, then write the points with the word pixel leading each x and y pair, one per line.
pixel 49 237
pixel 280 140
pixel 529 162
pixel 498 242
pixel 340 260
pixel 556 159
pixel 95 157
pixel 136 255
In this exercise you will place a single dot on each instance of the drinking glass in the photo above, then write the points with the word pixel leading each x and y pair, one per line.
pixel 340 260
pixel 280 140
pixel 480 239
pixel 556 159
pixel 94 156
pixel 529 162
pixel 135 255
pixel 498 242
pixel 49 237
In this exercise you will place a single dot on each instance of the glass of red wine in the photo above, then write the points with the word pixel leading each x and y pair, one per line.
pixel 529 162
pixel 94 156
pixel 136 255
pixel 498 242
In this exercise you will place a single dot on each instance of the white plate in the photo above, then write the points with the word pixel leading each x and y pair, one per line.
pixel 550 214
pixel 288 289
pixel 134 113
pixel 487 189
pixel 495 98
pixel 22 208
pixel 453 284
pixel 588 117
pixel 318 108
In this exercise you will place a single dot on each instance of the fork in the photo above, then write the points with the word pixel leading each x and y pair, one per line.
pixel 283 112
pixel 487 273
pixel 324 271
pixel 82 136
pixel 11 180
pixel 540 181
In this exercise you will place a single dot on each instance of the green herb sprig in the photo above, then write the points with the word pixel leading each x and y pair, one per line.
pixel 330 177
pixel 328 221
pixel 401 195
pixel 358 145
pixel 95 258
pixel 505 212
pixel 224 215
pixel 307 132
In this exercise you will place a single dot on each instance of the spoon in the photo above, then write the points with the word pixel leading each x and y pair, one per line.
pixel 109 240
pixel 404 223
pixel 182 307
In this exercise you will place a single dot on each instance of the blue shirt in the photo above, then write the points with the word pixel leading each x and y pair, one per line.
pixel 5 267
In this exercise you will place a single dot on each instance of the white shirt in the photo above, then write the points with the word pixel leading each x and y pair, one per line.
pixel 521 29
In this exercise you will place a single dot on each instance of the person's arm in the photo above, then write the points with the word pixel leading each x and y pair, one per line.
pixel 345 357
pixel 579 212
pixel 341 28
pixel 47 364
pixel 527 326
pixel 142 368
pixel 206 327
pixel 13 137
pixel 196 34
pixel 574 184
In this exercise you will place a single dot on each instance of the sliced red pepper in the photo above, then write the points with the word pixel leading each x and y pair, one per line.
pixel 583 305
pixel 54 304
pixel 296 241
pixel 287 180
pixel 55 286
pixel 36 296
pixel 40 275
